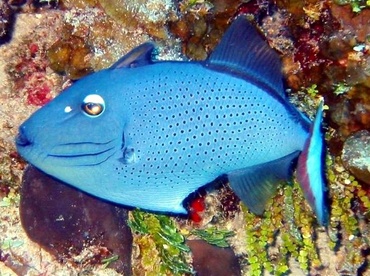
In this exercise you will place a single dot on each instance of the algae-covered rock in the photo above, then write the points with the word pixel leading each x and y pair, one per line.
pixel 6 18
pixel 212 260
pixel 356 155
pixel 140 14
pixel 65 222
pixel 70 56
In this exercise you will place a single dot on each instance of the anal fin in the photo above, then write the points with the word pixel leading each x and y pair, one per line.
pixel 255 185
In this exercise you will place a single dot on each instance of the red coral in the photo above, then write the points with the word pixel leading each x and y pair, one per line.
pixel 251 7
pixel 308 43
pixel 34 48
pixel 196 208
pixel 4 190
pixel 29 75
pixel 40 93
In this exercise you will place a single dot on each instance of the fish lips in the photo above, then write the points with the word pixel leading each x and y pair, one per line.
pixel 22 140
pixel 23 143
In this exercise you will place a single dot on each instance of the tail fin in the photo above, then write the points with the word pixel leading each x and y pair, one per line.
pixel 310 170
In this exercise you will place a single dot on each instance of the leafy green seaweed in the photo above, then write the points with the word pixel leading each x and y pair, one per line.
pixel 169 242
pixel 107 261
pixel 214 236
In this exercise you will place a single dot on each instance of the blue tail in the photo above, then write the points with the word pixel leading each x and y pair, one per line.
pixel 310 171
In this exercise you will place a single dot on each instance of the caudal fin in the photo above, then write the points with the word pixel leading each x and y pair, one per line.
pixel 310 170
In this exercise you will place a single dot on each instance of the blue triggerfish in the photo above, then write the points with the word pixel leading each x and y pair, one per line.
pixel 148 133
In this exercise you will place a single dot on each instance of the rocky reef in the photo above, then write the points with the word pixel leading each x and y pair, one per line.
pixel 325 49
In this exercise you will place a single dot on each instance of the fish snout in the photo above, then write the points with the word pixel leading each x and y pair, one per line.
pixel 21 139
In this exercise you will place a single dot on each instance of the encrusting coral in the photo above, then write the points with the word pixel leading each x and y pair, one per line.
pixel 325 52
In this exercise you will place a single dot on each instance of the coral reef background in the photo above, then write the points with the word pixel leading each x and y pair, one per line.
pixel 325 48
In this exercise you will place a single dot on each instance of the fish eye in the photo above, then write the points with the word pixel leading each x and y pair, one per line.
pixel 93 105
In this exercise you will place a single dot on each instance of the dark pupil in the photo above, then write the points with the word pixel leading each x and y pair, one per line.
pixel 92 108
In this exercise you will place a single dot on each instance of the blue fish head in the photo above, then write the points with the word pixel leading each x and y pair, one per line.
pixel 83 126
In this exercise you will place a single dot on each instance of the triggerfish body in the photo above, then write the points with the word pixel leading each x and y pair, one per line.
pixel 148 133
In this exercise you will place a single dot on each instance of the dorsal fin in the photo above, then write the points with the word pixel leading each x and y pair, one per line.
pixel 139 56
pixel 242 51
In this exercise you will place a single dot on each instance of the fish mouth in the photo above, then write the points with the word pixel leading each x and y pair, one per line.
pixel 21 140
pixel 82 153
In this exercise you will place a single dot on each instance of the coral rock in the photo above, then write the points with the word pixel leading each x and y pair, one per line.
pixel 134 14
pixel 70 56
pixel 6 19
pixel 65 221
pixel 356 155
pixel 211 260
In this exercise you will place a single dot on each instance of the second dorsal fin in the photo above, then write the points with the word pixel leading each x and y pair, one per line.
pixel 243 51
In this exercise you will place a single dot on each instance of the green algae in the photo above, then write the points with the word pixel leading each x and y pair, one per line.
pixel 11 199
pixel 347 230
pixel 10 243
pixel 258 238
pixel 341 88
pixel 312 90
pixel 107 261
pixel 161 233
pixel 214 236
pixel 287 230
pixel 356 5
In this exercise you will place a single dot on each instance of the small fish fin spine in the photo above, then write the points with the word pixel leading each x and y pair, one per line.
pixel 140 56
pixel 310 170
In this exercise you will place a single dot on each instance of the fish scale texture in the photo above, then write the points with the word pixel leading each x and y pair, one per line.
pixel 200 125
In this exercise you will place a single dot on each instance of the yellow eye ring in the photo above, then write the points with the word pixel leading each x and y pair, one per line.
pixel 93 109
pixel 93 105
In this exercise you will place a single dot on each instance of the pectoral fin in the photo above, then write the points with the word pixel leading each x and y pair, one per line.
pixel 129 156
pixel 257 184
